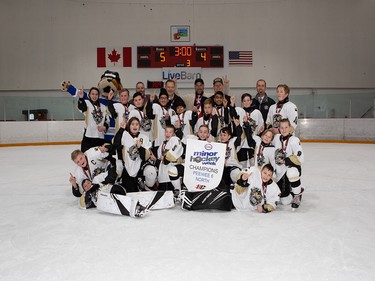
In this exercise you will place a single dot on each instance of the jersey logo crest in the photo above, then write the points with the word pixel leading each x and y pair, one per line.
pixel 146 124
pixel 276 120
pixel 97 115
pixel 133 152
pixel 255 196
pixel 280 156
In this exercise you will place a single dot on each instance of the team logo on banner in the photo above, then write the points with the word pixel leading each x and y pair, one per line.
pixel 204 164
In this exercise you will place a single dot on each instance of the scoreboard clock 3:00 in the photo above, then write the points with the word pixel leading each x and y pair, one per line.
pixel 180 56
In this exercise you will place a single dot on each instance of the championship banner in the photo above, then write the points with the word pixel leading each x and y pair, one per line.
pixel 204 164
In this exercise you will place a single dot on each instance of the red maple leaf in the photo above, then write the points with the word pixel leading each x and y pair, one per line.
pixel 114 56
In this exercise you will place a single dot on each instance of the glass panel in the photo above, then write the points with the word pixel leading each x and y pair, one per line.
pixel 311 103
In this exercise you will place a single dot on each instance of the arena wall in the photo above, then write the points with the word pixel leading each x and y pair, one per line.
pixel 64 132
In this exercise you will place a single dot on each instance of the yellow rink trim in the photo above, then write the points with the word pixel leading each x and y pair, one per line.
pixel 78 142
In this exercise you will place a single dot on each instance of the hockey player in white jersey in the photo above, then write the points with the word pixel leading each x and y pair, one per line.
pixel 232 166
pixel 288 158
pixel 161 115
pixel 140 111
pixel 176 172
pixel 218 198
pixel 183 121
pixel 255 190
pixel 221 109
pixel 96 119
pixel 248 113
pixel 281 110
pixel 138 173
pixel 92 165
pixel 252 122
pixel 210 119
pixel 120 110
pixel 168 155
pixel 264 149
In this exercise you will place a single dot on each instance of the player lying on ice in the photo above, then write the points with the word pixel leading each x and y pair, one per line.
pixel 255 190
pixel 100 190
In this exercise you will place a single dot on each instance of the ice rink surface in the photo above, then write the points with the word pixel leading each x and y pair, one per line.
pixel 45 236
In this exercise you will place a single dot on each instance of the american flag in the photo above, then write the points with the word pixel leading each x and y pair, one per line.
pixel 240 57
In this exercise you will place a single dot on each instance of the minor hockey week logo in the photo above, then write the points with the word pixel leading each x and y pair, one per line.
pixel 205 157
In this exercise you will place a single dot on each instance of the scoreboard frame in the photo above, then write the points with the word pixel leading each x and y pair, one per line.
pixel 180 56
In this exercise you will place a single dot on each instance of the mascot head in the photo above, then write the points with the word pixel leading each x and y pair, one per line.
pixel 110 80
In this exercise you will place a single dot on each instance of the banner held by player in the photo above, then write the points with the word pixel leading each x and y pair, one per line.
pixel 204 164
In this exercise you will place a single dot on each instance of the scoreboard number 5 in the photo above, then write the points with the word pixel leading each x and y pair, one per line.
pixel 162 56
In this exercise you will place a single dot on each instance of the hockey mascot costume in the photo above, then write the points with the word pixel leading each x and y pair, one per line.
pixel 109 80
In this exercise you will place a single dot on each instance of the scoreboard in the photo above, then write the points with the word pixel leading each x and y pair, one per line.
pixel 180 56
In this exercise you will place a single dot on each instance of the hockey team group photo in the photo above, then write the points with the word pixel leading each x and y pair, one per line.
pixel 144 151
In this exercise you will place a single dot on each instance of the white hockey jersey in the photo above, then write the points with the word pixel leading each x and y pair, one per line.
pixel 95 116
pixel 146 123
pixel 281 111
pixel 130 152
pixel 160 122
pixel 231 158
pixel 172 151
pixel 222 113
pixel 184 123
pixel 96 166
pixel 264 154
pixel 123 112
pixel 250 199
pixel 286 148
pixel 210 125
pixel 255 119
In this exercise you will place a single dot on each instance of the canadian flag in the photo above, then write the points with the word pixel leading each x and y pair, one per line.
pixel 114 56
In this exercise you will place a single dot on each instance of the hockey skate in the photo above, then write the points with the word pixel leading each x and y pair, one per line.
pixel 296 201
pixel 178 194
pixel 140 211
pixel 142 186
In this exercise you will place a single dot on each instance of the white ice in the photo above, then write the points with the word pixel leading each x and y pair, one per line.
pixel 45 236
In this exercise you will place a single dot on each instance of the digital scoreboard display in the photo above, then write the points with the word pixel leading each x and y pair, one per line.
pixel 180 56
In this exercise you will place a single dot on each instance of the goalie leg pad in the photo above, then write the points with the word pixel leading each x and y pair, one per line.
pixel 210 199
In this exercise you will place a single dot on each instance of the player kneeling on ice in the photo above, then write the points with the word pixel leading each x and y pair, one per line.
pixel 288 159
pixel 168 155
pixel 138 173
pixel 110 198
pixel 255 190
